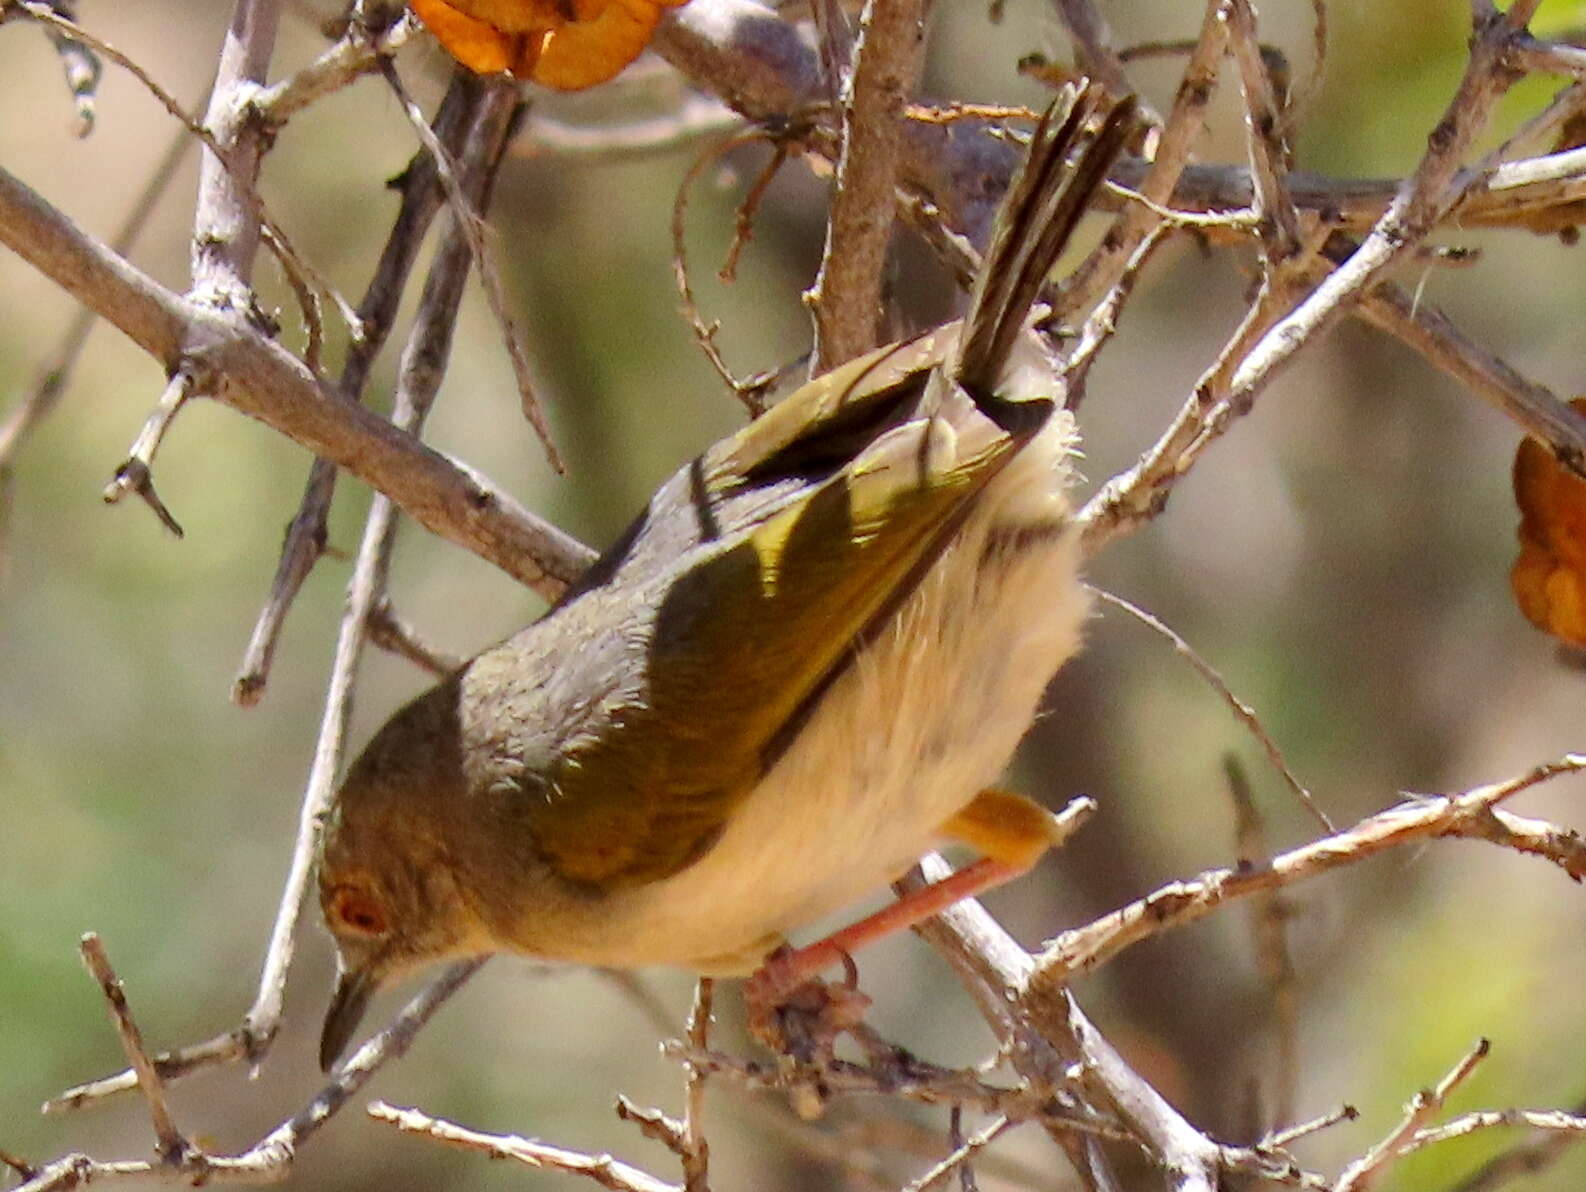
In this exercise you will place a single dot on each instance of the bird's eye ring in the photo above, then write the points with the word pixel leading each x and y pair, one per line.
pixel 357 911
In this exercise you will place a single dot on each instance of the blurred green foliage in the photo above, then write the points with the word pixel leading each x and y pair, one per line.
pixel 1341 557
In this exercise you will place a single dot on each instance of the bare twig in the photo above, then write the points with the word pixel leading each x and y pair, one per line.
pixel 1282 1138
pixel 135 475
pixel 423 365
pixel 226 221
pixel 420 376
pixel 270 1159
pixel 1531 1157
pixel 1423 818
pixel 961 1155
pixel 263 380
pixel 484 261
pixel 16 1163
pixel 170 1145
pixel 1102 322
pixel 255 30
pixel 916 1081
pixel 355 54
pixel 1433 190
pixel 1535 408
pixel 694 1150
pixel 1568 1127
pixel 1184 123
pixel 1269 925
pixel 1278 224
pixel 602 1169
pixel 1094 53
pixel 395 636
pixel 1246 714
pixel 1562 846
pixel 307 534
pixel 1365 1171
pixel 750 391
pixel 694 116
pixel 846 296
pixel 55 374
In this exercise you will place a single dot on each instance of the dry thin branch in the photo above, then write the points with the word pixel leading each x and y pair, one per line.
pixel 484 261
pixel 275 237
pixel 1422 326
pixel 965 1153
pixel 1279 1139
pixel 55 374
pixel 354 55
pixel 603 1169
pixel 1434 189
pixel 1053 1045
pixel 170 1145
pixel 226 222
pixel 693 1148
pixel 751 391
pixel 846 296
pixel 1094 54
pixel 694 116
pixel 1278 223
pixel 1246 714
pixel 1082 949
pixel 270 1159
pixel 1563 846
pixel 135 474
pixel 261 379
pixel 912 1081
pixel 307 534
pixel 422 368
pixel 395 636
pixel 419 379
pixel 1365 1171
pixel 1269 926
pixel 1531 1157
pixel 1158 182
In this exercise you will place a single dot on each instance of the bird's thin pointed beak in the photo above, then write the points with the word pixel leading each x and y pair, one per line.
pixel 354 988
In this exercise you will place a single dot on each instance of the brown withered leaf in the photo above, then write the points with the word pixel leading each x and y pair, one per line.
pixel 1549 577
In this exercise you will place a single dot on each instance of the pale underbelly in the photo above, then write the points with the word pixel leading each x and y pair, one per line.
pixel 919 723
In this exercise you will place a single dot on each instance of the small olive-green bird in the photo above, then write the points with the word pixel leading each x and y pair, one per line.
pixel 801 667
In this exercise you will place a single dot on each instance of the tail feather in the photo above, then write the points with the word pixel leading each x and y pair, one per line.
pixel 1070 153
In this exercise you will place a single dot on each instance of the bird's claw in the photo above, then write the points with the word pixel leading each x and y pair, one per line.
pixel 801 1017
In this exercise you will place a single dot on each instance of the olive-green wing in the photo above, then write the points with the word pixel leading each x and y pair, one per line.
pixel 751 622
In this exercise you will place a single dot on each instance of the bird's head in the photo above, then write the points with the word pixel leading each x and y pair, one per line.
pixel 387 880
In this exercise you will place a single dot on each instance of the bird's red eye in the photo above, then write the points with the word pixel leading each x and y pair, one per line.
pixel 356 910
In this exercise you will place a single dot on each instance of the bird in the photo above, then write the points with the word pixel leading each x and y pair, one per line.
pixel 804 664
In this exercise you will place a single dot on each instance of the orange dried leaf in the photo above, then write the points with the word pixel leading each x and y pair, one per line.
pixel 565 44
pixel 481 47
pixel 1549 577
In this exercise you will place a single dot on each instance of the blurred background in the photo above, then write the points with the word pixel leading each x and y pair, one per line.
pixel 1341 556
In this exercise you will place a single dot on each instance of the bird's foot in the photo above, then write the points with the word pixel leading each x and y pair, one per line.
pixel 801 1017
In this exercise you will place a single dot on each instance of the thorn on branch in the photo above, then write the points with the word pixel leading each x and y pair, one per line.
pixel 395 636
pixel 135 475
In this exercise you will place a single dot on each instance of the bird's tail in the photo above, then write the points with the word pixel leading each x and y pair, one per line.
pixel 1071 151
